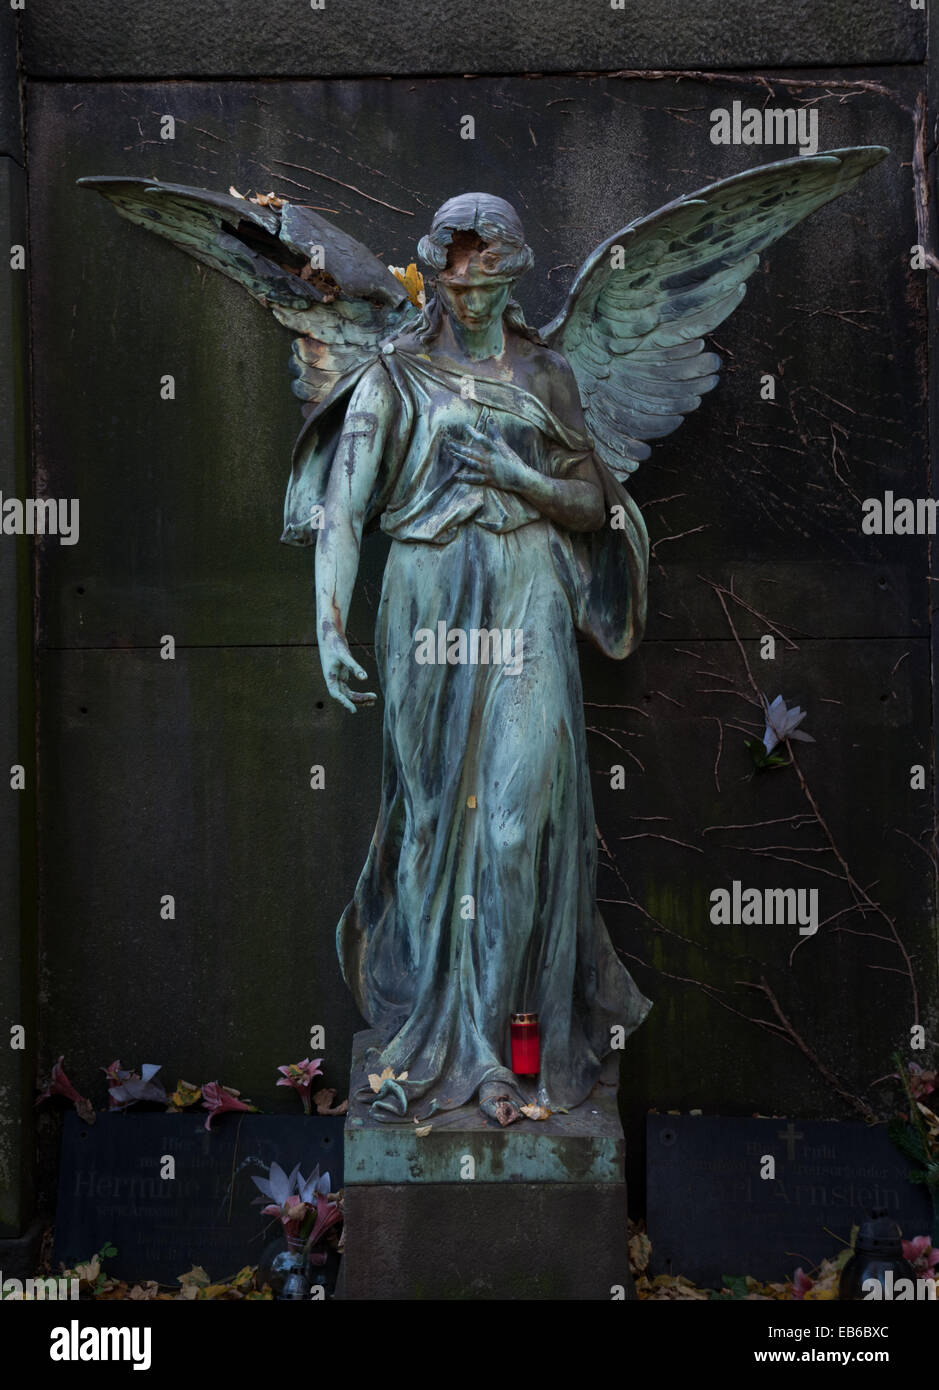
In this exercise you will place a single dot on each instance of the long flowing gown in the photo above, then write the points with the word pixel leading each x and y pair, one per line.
pixel 477 899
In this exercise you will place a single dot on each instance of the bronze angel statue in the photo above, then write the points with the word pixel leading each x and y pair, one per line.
pixel 494 456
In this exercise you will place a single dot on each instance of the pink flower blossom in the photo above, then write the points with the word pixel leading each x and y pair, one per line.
pixel 300 1076
pixel 59 1085
pixel 801 1283
pixel 217 1099
pixel 295 1198
pixel 921 1255
pixel 291 1214
pixel 327 1214
pixel 922 1083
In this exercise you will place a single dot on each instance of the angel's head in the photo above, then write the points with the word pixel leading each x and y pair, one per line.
pixel 477 247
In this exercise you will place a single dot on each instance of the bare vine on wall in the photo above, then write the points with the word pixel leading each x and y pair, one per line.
pixel 861 915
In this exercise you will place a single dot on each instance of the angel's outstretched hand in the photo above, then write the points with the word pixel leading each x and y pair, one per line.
pixel 338 665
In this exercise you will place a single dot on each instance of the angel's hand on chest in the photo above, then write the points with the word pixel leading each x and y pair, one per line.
pixel 488 460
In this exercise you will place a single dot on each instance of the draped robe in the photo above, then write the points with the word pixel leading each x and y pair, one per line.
pixel 477 899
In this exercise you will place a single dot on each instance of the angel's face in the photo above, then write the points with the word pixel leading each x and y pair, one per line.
pixel 471 293
pixel 474 301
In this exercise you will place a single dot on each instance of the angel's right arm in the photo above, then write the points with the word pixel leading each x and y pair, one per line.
pixel 351 484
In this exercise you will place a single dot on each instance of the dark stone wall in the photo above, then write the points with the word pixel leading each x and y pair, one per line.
pixel 17 707
pixel 191 777
pixel 288 38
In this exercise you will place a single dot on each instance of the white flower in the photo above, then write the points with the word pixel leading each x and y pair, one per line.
pixel 278 1185
pixel 782 723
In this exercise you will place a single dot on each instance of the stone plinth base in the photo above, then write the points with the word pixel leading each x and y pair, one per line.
pixel 473 1211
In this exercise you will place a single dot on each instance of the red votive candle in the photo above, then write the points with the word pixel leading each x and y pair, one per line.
pixel 525 1059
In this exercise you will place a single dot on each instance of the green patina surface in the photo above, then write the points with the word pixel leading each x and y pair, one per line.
pixel 584 1146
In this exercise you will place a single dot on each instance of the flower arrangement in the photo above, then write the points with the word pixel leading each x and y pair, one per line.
pixel 126 1088
pixel 915 1131
pixel 307 1212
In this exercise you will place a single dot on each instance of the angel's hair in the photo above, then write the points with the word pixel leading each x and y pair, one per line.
pixel 494 221
pixel 430 322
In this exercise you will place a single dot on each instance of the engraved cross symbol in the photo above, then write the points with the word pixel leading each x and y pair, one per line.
pixel 790 1134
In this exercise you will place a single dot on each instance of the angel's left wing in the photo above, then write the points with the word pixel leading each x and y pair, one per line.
pixel 634 322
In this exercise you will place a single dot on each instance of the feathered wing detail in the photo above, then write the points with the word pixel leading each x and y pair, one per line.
pixel 316 279
pixel 633 326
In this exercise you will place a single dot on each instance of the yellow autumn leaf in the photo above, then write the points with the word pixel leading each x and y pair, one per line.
pixel 196 1277
pixel 233 191
pixel 536 1112
pixel 376 1081
pixel 413 282
pixel 186 1094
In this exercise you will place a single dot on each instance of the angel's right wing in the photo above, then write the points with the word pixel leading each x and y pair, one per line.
pixel 634 323
pixel 316 279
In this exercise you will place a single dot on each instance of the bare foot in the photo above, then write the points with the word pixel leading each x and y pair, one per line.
pixel 496 1103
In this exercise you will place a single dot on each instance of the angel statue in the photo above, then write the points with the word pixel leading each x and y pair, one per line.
pixel 494 455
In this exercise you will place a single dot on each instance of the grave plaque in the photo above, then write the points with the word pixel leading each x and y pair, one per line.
pixel 110 1188
pixel 710 1213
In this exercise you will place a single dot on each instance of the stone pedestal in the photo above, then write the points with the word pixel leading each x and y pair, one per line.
pixel 473 1211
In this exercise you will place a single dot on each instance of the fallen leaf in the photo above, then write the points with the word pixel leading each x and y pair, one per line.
pixel 323 1100
pixel 536 1112
pixel 640 1252
pixel 422 1130
pixel 89 1271
pixel 147 1290
pixel 185 1094
pixel 195 1277
pixel 86 1111
pixel 234 192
